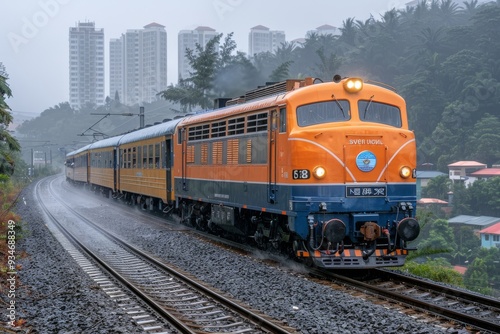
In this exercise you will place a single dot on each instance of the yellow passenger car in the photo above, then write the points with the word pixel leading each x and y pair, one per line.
pixel 145 160
pixel 102 165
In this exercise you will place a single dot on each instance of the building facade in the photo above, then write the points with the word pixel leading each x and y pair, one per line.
pixel 461 171
pixel 86 65
pixel 187 39
pixel 490 236
pixel 138 64
pixel 324 30
pixel 261 39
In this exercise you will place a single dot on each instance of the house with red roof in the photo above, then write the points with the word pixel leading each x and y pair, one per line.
pixel 486 173
pixel 461 171
pixel 490 236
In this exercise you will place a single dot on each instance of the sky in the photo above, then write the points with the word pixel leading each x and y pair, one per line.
pixel 34 34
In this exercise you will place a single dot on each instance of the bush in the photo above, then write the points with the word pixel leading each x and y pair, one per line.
pixel 436 270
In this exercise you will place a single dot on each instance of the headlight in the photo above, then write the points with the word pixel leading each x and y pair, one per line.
pixel 319 172
pixel 353 85
pixel 405 172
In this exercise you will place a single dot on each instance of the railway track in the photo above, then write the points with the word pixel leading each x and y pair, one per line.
pixel 475 312
pixel 176 297
pixel 444 305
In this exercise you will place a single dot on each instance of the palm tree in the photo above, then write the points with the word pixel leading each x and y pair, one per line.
pixel 349 32
pixel 470 8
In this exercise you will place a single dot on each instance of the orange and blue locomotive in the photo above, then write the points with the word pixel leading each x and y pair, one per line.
pixel 322 171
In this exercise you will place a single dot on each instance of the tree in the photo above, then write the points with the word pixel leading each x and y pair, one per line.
pixel 203 61
pixel 215 70
pixel 483 274
pixel 437 187
pixel 468 244
pixel 349 32
pixel 441 238
pixel 183 93
pixel 425 103
pixel 484 197
pixel 8 144
pixel 485 24
pixel 313 57
pixel 281 72
pixel 328 66
pixel 483 144
pixel 469 9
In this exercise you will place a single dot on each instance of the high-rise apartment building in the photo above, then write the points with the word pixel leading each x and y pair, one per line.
pixel 115 68
pixel 86 65
pixel 138 64
pixel 261 39
pixel 187 39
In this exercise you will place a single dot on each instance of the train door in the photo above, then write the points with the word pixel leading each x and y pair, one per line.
pixel 117 159
pixel 183 141
pixel 167 164
pixel 115 170
pixel 87 165
pixel 272 189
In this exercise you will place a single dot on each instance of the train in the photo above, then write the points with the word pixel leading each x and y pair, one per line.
pixel 324 172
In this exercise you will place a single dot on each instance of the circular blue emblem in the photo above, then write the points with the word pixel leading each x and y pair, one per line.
pixel 366 161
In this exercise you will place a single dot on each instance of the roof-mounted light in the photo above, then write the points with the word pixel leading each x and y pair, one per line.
pixel 353 85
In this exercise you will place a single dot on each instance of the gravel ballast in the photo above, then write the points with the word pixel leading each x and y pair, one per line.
pixel 57 297
pixel 54 295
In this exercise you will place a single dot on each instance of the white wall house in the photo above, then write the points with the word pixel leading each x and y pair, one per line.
pixel 490 236
pixel 461 171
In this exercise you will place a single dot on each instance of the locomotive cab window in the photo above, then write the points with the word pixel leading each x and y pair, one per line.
pixel 370 111
pixel 323 112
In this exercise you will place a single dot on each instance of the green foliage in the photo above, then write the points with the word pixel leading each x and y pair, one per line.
pixel 281 73
pixel 8 144
pixel 438 270
pixel 215 70
pixel 485 138
pixel 482 198
pixel 483 274
pixel 468 245
pixel 440 237
pixel 437 187
pixel 442 57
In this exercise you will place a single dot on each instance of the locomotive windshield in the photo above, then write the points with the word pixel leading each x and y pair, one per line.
pixel 323 112
pixel 377 112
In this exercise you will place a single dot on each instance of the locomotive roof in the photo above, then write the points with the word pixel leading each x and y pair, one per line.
pixel 253 105
pixel 158 130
